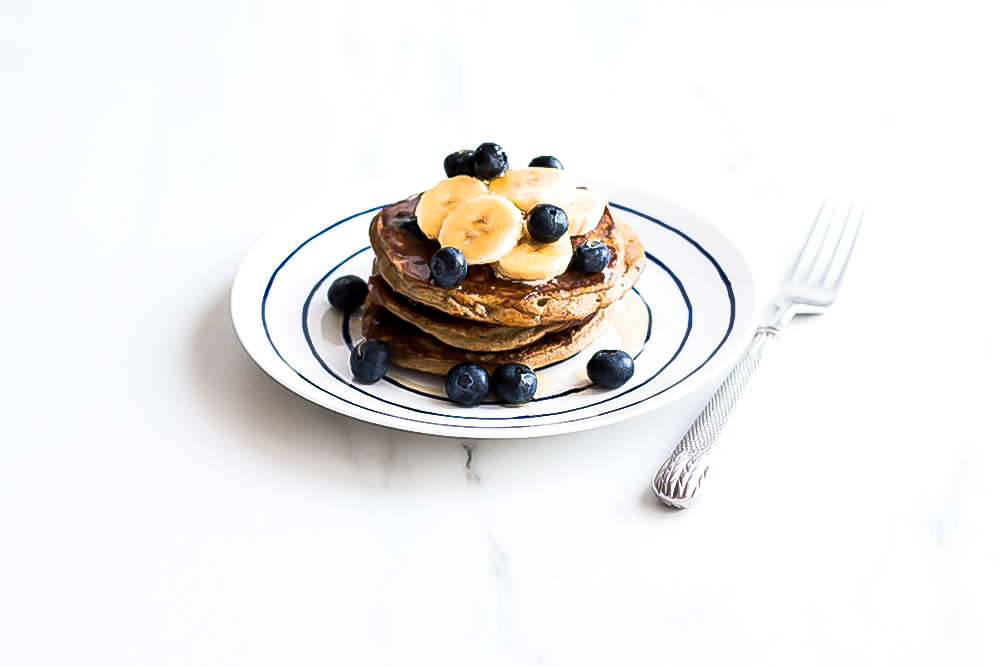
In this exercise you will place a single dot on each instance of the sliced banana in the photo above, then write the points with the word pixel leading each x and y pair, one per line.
pixel 535 185
pixel 435 204
pixel 585 212
pixel 535 262
pixel 484 228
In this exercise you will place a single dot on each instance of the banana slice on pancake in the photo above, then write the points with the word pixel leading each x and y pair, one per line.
pixel 535 185
pixel 484 228
pixel 435 204
pixel 533 262
pixel 585 212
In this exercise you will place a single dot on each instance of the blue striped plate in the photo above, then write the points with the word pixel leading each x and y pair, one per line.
pixel 688 317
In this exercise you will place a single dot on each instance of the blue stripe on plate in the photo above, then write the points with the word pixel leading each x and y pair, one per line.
pixel 346 333
pixel 346 382
pixel 695 244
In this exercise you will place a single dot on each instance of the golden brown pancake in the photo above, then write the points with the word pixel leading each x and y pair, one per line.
pixel 455 331
pixel 412 348
pixel 404 255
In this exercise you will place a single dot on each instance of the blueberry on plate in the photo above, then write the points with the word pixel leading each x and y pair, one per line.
pixel 467 384
pixel 547 223
pixel 610 368
pixel 370 360
pixel 448 266
pixel 514 383
pixel 546 161
pixel 591 256
pixel 490 161
pixel 347 293
pixel 459 163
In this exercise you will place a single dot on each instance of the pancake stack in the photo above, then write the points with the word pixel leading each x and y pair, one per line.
pixel 491 319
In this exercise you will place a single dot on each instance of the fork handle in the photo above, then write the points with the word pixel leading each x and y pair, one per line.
pixel 687 469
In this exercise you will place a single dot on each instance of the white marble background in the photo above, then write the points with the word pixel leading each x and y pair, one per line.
pixel 164 502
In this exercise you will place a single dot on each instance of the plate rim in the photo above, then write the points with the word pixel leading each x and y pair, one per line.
pixel 270 361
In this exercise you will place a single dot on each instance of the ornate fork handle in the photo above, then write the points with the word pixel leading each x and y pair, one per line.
pixel 687 469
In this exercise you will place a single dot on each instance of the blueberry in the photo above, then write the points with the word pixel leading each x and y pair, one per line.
pixel 347 293
pixel 547 223
pixel 591 256
pixel 490 161
pixel 514 383
pixel 467 384
pixel 448 266
pixel 546 161
pixel 370 360
pixel 459 163
pixel 610 368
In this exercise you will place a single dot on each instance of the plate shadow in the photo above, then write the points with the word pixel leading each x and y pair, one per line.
pixel 277 424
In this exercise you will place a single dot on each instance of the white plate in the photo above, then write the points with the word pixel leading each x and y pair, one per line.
pixel 689 316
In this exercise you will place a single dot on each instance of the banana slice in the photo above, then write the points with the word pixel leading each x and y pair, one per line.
pixel 435 204
pixel 585 212
pixel 535 262
pixel 535 185
pixel 484 228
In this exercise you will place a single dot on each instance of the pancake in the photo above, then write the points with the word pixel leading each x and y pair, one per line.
pixel 404 255
pixel 455 331
pixel 412 348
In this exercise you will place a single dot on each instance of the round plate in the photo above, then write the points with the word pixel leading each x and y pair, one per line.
pixel 688 317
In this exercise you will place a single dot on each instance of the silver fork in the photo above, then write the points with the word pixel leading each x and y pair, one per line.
pixel 809 289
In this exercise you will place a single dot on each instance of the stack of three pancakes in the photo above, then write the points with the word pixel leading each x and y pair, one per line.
pixel 486 319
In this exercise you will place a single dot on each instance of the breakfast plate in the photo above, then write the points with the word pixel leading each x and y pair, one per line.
pixel 688 317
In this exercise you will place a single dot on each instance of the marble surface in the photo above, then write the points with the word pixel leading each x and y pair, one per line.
pixel 164 502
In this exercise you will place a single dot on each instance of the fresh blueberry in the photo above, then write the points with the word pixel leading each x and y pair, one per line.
pixel 514 383
pixel 448 266
pixel 591 256
pixel 347 293
pixel 490 161
pixel 370 360
pixel 459 163
pixel 467 384
pixel 546 161
pixel 610 368
pixel 547 223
